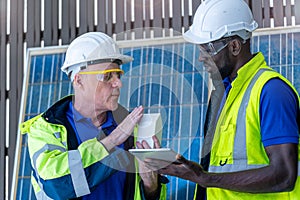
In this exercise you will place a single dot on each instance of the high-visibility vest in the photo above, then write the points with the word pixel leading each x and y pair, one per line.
pixel 237 142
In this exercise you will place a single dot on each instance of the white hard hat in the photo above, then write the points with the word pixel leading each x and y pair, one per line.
pixel 91 48
pixel 215 19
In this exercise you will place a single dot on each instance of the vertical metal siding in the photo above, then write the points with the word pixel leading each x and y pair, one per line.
pixel 195 4
pixel 257 12
pixel 101 26
pixel 120 22
pixel 109 23
pixel 157 18
pixel 167 18
pixel 51 23
pixel 278 12
pixel 266 14
pixel 186 17
pixel 147 20
pixel 16 75
pixel 176 17
pixel 288 12
pixel 68 30
pixel 127 20
pixel 138 19
pixel 86 16
pixel 33 37
pixel 296 12
pixel 3 96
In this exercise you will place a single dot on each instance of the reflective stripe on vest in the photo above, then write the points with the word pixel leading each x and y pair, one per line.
pixel 79 181
pixel 78 177
pixel 42 195
pixel 240 149
pixel 47 147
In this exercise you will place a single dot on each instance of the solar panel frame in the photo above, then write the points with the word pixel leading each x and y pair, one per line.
pixel 39 82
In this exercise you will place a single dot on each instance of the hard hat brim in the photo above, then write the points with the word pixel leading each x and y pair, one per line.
pixel 192 38
pixel 123 58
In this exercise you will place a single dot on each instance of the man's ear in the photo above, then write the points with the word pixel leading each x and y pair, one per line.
pixel 77 80
pixel 235 47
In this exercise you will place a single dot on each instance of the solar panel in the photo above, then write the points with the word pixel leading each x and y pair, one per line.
pixel 161 78
pixel 165 78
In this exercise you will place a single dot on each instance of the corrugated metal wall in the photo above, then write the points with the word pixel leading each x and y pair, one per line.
pixel 36 23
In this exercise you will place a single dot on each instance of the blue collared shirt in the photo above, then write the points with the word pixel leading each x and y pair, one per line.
pixel 113 187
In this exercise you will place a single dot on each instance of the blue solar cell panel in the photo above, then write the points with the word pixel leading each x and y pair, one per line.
pixel 163 78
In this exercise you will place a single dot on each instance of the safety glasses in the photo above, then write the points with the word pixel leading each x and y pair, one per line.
pixel 105 75
pixel 213 48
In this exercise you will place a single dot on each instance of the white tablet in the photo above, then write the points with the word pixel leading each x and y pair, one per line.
pixel 166 154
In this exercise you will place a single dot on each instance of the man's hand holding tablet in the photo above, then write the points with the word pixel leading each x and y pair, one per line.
pixel 166 154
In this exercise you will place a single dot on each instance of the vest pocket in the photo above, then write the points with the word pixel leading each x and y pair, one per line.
pixel 223 146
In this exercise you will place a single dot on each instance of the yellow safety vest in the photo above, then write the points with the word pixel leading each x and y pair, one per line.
pixel 237 142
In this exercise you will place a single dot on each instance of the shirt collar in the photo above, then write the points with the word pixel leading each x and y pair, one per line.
pixel 78 117
pixel 109 120
pixel 226 82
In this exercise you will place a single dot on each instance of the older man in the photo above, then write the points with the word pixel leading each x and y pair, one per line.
pixel 76 147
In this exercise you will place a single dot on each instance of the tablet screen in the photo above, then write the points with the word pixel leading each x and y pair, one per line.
pixel 166 154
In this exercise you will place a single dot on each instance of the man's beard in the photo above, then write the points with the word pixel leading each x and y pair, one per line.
pixel 224 71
